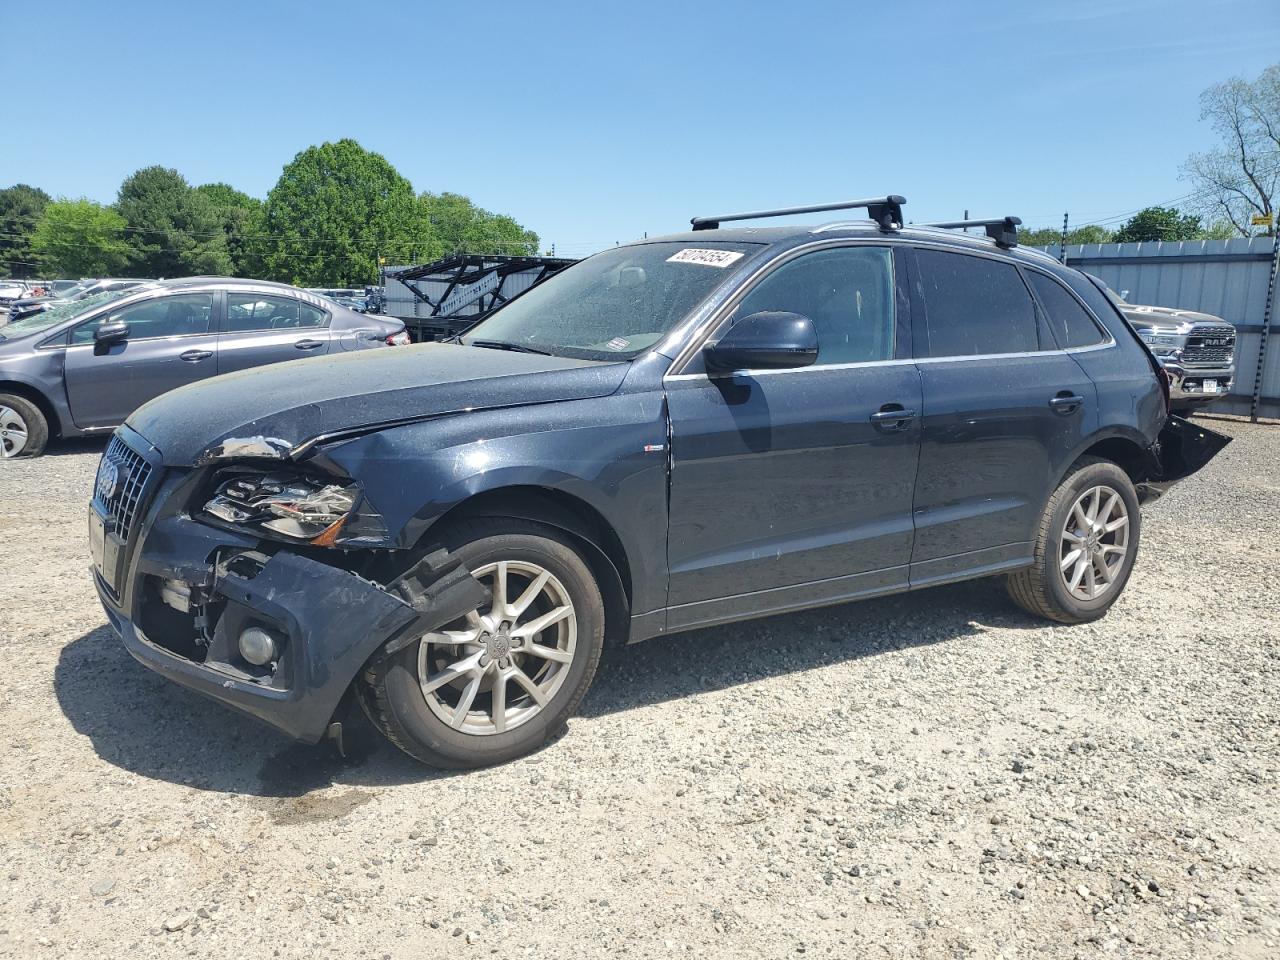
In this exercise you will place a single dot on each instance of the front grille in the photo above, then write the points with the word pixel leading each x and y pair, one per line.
pixel 1209 346
pixel 117 489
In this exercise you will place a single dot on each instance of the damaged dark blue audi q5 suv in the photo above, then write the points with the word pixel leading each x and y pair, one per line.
pixel 689 430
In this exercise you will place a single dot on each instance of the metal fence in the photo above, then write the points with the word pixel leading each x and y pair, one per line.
pixel 1227 278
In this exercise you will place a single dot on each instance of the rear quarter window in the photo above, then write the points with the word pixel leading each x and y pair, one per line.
pixel 1071 324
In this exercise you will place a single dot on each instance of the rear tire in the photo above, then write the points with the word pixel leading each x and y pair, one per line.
pixel 496 698
pixel 24 432
pixel 1086 544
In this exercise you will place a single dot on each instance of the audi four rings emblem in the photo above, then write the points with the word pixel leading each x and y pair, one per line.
pixel 108 484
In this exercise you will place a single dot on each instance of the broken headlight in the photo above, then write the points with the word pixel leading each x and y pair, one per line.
pixel 322 512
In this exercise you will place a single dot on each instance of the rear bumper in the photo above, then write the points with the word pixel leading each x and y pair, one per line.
pixel 1183 448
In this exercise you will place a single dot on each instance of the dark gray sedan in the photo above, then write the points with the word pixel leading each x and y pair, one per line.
pixel 81 368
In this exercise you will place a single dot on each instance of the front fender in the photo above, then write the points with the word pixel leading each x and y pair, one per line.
pixel 608 453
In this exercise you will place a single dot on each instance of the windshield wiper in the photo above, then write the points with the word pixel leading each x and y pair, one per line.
pixel 507 345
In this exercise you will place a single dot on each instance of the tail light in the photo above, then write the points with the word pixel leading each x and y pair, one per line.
pixel 402 339
pixel 1166 382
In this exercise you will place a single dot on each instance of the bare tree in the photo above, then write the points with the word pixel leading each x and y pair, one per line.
pixel 1239 179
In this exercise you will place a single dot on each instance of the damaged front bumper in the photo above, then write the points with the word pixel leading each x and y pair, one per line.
pixel 326 622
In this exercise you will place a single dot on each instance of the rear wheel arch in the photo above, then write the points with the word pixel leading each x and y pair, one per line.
pixel 600 545
pixel 1127 449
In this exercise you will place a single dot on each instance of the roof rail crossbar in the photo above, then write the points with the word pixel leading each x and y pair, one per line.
pixel 886 211
pixel 1003 230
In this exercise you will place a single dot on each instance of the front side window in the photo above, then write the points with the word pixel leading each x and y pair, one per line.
pixel 184 315
pixel 60 313
pixel 253 311
pixel 848 295
pixel 1070 322
pixel 615 305
pixel 975 306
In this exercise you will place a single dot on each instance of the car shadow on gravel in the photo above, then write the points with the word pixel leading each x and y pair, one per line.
pixel 140 722
pixel 716 658
pixel 76 445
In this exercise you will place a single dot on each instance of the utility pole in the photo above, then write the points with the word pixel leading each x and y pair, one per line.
pixel 1267 313
pixel 1062 247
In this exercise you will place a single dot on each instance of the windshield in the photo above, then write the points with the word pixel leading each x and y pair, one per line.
pixel 615 305
pixel 38 322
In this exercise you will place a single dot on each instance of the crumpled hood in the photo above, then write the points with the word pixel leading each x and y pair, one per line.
pixel 303 399
pixel 1166 316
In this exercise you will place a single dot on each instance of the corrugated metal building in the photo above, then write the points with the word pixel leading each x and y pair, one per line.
pixel 1227 278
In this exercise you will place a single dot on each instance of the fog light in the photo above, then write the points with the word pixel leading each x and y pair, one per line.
pixel 258 646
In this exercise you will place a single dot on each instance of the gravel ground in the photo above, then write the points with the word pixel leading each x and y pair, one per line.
pixel 936 775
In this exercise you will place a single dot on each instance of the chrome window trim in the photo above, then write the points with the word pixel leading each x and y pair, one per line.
pixel 811 368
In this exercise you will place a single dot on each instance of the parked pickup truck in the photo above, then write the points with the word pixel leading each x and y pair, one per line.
pixel 1196 349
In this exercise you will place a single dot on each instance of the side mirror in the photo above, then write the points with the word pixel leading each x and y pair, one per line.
pixel 113 331
pixel 771 340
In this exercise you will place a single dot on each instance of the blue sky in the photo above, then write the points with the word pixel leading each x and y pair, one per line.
pixel 597 122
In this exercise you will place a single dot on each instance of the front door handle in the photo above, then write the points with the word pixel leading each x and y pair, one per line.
pixel 1066 403
pixel 892 418
pixel 195 356
pixel 308 344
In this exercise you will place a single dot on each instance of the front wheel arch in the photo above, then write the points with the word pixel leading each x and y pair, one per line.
pixel 599 543
pixel 35 397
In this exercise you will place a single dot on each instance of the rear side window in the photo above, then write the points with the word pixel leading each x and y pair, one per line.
pixel 253 311
pixel 975 306
pixel 1070 322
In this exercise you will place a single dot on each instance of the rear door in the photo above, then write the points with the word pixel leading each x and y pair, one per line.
pixel 263 328
pixel 1004 409
pixel 172 342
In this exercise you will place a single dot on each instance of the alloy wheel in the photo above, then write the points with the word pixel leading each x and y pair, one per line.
pixel 1094 543
pixel 13 432
pixel 493 670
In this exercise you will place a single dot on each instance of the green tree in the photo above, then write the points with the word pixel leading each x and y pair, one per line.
pixel 1241 178
pixel 80 238
pixel 1159 223
pixel 240 217
pixel 459 225
pixel 20 209
pixel 1048 236
pixel 174 230
pixel 334 211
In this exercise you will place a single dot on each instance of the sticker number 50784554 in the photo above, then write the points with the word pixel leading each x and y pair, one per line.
pixel 707 258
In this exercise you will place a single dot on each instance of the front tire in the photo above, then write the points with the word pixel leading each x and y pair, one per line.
pixel 500 682
pixel 1086 545
pixel 23 428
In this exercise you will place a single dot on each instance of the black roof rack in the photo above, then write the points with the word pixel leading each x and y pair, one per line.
pixel 886 211
pixel 1003 230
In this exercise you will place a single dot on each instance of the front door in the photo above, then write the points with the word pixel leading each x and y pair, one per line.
pixel 791 488
pixel 171 342
pixel 263 328
pixel 1004 407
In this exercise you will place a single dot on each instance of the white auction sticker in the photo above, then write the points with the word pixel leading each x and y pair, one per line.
pixel 707 258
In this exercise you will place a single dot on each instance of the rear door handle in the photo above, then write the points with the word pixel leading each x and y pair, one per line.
pixel 1065 403
pixel 892 418
pixel 308 344
pixel 195 356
